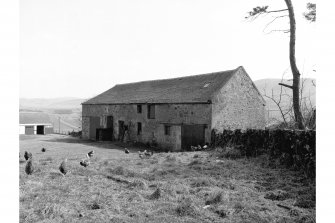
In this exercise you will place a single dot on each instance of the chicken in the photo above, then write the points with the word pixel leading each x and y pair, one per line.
pixel 85 163
pixel 194 148
pixel 126 150
pixel 63 167
pixel 29 167
pixel 146 153
pixel 90 154
pixel 27 155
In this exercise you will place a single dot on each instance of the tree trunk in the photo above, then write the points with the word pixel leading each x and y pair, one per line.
pixel 294 68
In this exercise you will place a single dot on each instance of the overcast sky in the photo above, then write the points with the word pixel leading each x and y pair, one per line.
pixel 81 48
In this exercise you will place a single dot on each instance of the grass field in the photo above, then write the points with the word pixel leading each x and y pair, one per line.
pixel 167 187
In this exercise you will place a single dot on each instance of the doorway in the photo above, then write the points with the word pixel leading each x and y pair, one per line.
pixel 40 130
pixel 192 135
pixel 29 130
pixel 94 125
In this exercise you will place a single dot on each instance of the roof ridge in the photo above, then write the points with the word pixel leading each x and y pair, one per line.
pixel 175 78
pixel 192 88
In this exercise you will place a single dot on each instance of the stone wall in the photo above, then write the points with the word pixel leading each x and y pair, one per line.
pixel 173 115
pixel 238 105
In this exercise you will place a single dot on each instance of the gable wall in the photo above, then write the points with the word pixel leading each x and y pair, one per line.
pixel 152 129
pixel 238 105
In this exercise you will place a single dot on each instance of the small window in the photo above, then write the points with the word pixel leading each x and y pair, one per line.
pixel 139 108
pixel 139 128
pixel 151 111
pixel 167 129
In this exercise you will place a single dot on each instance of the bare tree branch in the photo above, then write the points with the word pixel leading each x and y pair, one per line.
pixel 280 10
pixel 277 30
pixel 285 85
pixel 278 105
pixel 275 18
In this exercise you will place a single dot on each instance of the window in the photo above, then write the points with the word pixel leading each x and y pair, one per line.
pixel 167 129
pixel 139 128
pixel 139 108
pixel 151 111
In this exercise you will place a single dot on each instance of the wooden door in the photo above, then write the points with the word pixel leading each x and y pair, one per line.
pixel 192 135
pixel 94 125
pixel 29 130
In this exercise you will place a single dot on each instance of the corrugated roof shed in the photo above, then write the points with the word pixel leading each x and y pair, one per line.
pixel 189 89
pixel 34 118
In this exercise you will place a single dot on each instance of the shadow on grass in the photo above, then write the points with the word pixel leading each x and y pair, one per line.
pixel 75 140
pixel 104 144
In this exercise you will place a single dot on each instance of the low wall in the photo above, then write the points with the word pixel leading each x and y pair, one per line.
pixel 295 149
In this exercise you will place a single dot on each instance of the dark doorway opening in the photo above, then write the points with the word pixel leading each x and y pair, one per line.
pixel 192 135
pixel 106 134
pixel 40 130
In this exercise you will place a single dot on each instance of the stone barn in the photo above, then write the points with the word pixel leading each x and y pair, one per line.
pixel 175 113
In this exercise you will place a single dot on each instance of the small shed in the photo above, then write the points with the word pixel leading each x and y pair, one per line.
pixel 35 123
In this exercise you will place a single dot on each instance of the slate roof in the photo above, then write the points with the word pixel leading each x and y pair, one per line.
pixel 34 118
pixel 189 89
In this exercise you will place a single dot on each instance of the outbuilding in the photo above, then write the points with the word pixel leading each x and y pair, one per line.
pixel 35 123
pixel 175 113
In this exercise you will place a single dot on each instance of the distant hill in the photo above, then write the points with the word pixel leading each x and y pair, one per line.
pixel 267 86
pixel 63 113
pixel 34 117
pixel 52 103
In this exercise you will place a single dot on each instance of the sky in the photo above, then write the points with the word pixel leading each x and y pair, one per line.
pixel 81 48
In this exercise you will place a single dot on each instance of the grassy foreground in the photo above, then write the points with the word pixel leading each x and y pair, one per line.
pixel 168 187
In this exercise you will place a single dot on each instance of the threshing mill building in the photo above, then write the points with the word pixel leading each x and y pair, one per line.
pixel 175 113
